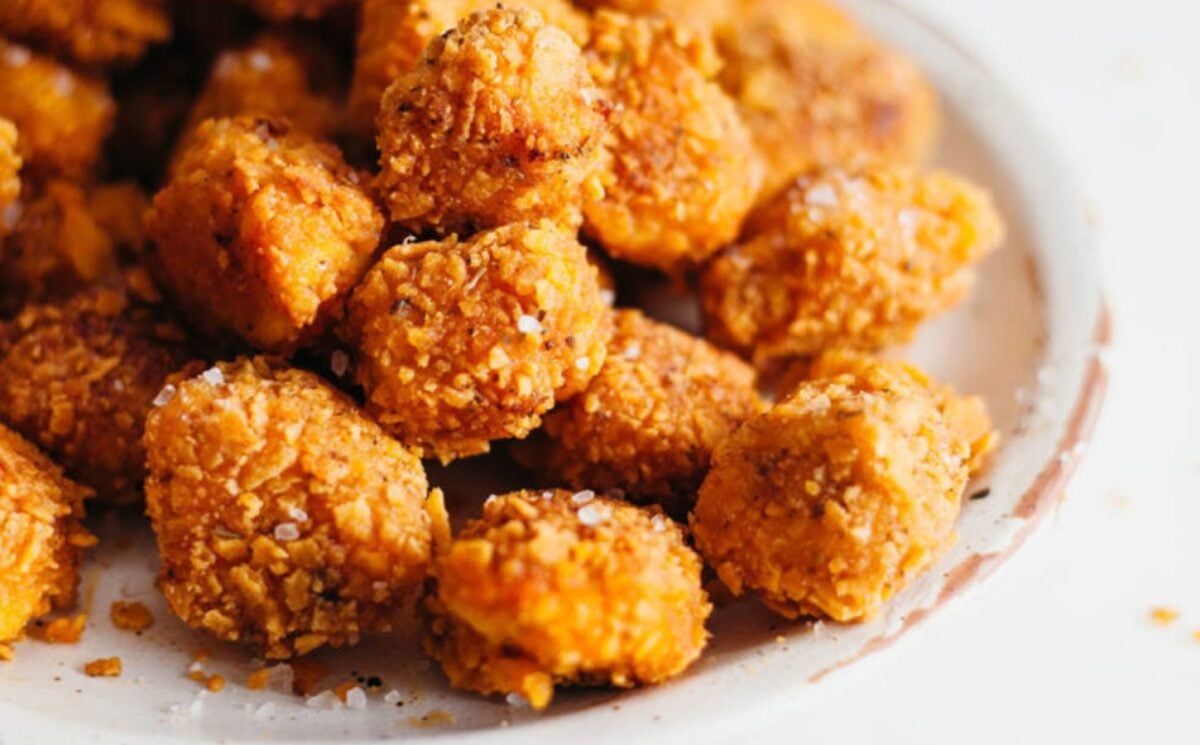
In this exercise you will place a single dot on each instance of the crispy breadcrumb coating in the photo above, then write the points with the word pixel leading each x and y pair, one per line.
pixel 463 342
pixel 286 10
pixel 130 616
pixel 41 537
pixel 78 379
pixel 845 259
pixel 91 32
pixel 10 179
pixel 285 518
pixel 832 501
pixel 274 77
pixel 103 667
pixel 260 231
pixel 707 16
pixel 55 246
pixel 499 123
pixel 684 168
pixel 553 589
pixel 62 116
pixel 648 423
pixel 393 34
pixel 966 416
pixel 817 90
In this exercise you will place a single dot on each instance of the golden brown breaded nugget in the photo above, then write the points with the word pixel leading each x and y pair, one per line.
pixel 91 32
pixel 286 10
pixel 10 179
pixel 500 123
pixel 285 518
pixel 272 77
pixel 463 342
pixel 41 537
pixel 648 423
pixel 55 247
pixel 77 379
pixel 846 259
pixel 260 231
pixel 685 170
pixel 837 497
pixel 62 116
pixel 393 34
pixel 966 416
pixel 817 90
pixel 553 589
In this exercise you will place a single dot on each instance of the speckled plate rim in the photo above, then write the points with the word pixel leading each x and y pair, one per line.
pixel 1077 334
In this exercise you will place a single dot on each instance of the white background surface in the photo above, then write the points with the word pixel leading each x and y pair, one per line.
pixel 1058 647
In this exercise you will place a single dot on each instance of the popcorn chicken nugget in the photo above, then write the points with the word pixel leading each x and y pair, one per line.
pixel 845 259
pixel 63 117
pixel 90 32
pixel 275 76
pixel 78 379
pixel 41 536
pixel 648 423
pixel 817 90
pixel 460 343
pixel 55 246
pixel 554 589
pixel 499 123
pixel 261 231
pixel 837 497
pixel 394 33
pixel 285 518
pixel 684 168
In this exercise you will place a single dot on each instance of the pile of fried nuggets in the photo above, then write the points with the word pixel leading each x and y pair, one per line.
pixel 442 281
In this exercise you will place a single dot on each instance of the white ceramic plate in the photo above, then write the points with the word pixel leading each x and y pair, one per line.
pixel 1030 340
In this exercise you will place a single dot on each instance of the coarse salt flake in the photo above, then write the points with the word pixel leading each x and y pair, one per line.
pixel 64 83
pixel 591 515
pixel 356 698
pixel 297 514
pixel 821 195
pixel 191 709
pixel 324 700
pixel 582 497
pixel 529 325
pixel 608 297
pixel 659 523
pixel 582 364
pixel 213 376
pixel 516 699
pixel 260 60
pixel 16 56
pixel 633 351
pixel 392 697
pixel 164 396
pixel 286 532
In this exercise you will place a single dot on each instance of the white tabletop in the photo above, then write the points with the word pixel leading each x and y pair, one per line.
pixel 1059 646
